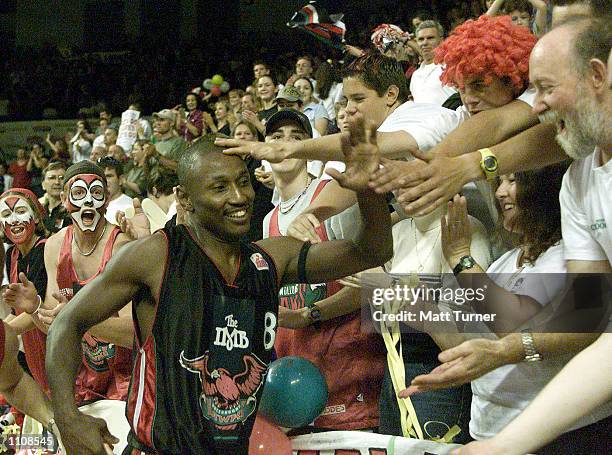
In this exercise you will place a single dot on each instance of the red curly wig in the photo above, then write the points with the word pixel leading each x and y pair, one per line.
pixel 485 47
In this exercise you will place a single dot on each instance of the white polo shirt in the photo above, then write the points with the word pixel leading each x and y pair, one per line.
pixel 427 123
pixel 426 87
pixel 586 209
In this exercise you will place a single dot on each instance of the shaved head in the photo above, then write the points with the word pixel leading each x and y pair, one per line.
pixel 199 153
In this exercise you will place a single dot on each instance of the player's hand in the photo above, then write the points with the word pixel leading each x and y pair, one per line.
pixel 361 155
pixel 82 434
pixel 48 316
pixel 293 319
pixel 460 365
pixel 21 295
pixel 304 228
pixel 133 222
pixel 274 152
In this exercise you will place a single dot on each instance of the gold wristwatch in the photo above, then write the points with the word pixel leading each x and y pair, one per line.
pixel 488 163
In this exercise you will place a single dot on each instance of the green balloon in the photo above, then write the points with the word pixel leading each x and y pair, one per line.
pixel 295 392
pixel 217 79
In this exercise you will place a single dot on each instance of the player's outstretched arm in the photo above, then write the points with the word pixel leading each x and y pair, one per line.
pixel 336 259
pixel 135 266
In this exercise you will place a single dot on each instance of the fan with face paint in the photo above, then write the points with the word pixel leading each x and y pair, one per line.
pixel 18 219
pixel 86 201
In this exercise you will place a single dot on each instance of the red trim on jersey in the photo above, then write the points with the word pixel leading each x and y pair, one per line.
pixel 143 430
pixel 156 297
pixel 233 283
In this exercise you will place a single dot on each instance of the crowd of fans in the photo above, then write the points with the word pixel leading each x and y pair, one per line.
pixel 428 92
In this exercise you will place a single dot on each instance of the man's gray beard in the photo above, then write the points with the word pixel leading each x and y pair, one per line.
pixel 585 131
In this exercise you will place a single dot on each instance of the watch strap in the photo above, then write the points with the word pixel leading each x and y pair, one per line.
pixel 531 354
pixel 315 316
pixel 461 266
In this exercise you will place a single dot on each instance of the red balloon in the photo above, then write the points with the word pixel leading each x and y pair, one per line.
pixel 215 90
pixel 268 439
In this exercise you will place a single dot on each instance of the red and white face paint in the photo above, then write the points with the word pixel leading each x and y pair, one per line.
pixel 86 200
pixel 17 219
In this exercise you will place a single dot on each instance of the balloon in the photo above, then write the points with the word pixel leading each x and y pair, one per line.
pixel 224 86
pixel 294 394
pixel 215 90
pixel 207 84
pixel 217 79
pixel 268 439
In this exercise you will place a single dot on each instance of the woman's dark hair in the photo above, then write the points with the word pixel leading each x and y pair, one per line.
pixel 325 76
pixel 198 100
pixel 538 217
pixel 307 79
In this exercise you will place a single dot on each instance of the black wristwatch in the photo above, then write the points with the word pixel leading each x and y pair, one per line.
pixel 315 316
pixel 466 262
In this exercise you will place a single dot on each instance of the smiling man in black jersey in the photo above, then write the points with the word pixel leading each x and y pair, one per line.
pixel 205 308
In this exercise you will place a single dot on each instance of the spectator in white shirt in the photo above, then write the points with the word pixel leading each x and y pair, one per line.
pixel 118 201
pixel 425 84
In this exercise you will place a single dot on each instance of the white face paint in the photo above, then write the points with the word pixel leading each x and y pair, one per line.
pixel 17 219
pixel 87 202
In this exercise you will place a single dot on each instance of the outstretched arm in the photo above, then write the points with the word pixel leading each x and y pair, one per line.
pixel 433 178
pixel 555 410
pixel 397 144
pixel 475 358
pixel 374 244
pixel 134 267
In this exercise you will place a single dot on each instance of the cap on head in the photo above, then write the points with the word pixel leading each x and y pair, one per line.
pixel 288 114
pixel 290 94
pixel 84 167
pixel 165 114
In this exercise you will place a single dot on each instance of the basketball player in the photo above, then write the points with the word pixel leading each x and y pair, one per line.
pixel 205 308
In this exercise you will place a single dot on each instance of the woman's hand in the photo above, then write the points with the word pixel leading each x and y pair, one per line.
pixel 456 232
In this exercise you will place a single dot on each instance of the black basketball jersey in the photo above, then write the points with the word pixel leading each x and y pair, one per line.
pixel 198 379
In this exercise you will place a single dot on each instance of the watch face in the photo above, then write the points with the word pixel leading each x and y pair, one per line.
pixel 315 313
pixel 467 261
pixel 490 163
